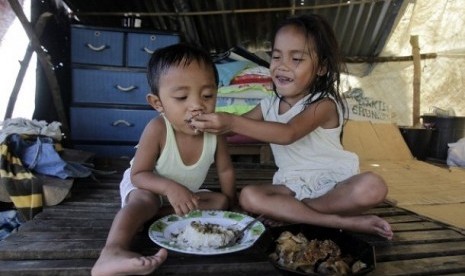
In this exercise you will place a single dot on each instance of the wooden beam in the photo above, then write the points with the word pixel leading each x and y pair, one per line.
pixel 387 59
pixel 44 60
pixel 416 79
pixel 39 27
pixel 291 9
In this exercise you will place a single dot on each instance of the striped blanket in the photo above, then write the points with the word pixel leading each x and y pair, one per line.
pixel 24 188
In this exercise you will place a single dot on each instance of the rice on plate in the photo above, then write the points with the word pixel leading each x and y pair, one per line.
pixel 204 235
pixel 203 232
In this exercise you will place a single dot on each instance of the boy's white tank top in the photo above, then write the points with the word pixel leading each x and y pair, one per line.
pixel 171 166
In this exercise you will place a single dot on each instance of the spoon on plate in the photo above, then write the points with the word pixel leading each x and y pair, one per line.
pixel 238 234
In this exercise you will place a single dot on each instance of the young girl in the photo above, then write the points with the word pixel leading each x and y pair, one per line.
pixel 172 158
pixel 317 182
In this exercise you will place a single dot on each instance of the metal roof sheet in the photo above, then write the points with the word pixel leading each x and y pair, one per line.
pixel 362 26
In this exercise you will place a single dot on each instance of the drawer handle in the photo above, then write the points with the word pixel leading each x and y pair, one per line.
pixel 125 89
pixel 96 48
pixel 148 51
pixel 122 122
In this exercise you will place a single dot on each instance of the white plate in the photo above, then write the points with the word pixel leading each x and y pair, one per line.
pixel 161 231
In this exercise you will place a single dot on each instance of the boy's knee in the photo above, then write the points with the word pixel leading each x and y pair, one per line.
pixel 216 201
pixel 223 202
pixel 145 198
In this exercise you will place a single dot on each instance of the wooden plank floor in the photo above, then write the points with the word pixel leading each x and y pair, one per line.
pixel 66 239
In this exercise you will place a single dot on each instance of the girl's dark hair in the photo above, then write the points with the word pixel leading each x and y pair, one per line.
pixel 328 54
pixel 176 55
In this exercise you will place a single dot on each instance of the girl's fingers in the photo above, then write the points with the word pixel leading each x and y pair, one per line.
pixel 199 124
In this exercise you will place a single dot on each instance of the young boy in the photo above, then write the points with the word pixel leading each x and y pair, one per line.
pixel 172 158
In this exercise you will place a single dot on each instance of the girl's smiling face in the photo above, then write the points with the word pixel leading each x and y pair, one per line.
pixel 294 64
pixel 186 91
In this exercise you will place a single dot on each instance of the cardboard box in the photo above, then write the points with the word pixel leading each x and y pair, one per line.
pixel 423 188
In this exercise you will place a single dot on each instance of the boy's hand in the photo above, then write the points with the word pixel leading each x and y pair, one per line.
pixel 182 199
pixel 217 123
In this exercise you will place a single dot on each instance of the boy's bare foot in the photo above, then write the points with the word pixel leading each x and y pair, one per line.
pixel 115 261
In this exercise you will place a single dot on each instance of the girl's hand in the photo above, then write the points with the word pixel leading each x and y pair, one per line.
pixel 217 123
pixel 182 200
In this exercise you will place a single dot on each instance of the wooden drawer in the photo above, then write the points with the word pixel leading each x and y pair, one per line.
pixel 112 87
pixel 95 46
pixel 108 124
pixel 141 46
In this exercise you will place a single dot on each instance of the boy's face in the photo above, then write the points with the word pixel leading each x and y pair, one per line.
pixel 185 92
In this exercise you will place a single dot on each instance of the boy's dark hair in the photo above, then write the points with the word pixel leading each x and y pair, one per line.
pixel 181 54
pixel 327 51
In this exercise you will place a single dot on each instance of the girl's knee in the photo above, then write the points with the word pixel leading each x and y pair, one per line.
pixel 244 198
pixel 373 186
pixel 247 198
pixel 374 180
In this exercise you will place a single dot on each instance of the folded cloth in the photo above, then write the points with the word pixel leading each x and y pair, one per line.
pixel 227 71
pixel 39 155
pixel 23 155
pixel 24 189
pixel 9 222
pixel 30 127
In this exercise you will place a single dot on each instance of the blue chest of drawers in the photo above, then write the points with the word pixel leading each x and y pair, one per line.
pixel 109 87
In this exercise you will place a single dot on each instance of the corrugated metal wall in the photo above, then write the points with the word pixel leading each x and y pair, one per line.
pixel 362 27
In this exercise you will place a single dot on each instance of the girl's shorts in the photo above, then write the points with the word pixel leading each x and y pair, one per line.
pixel 309 184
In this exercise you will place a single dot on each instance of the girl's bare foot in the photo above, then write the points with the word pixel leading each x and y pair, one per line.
pixel 372 225
pixel 272 223
pixel 115 261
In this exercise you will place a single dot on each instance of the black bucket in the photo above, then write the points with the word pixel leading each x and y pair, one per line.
pixel 445 130
pixel 417 140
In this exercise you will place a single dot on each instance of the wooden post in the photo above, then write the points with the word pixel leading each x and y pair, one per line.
pixel 416 79
pixel 39 27
pixel 44 60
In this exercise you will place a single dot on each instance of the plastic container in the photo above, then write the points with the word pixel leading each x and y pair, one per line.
pixel 445 130
pixel 418 141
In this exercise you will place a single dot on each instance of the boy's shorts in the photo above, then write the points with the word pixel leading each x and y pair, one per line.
pixel 125 187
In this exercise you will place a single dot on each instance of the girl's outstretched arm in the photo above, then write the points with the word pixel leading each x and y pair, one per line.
pixel 322 113
pixel 225 171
